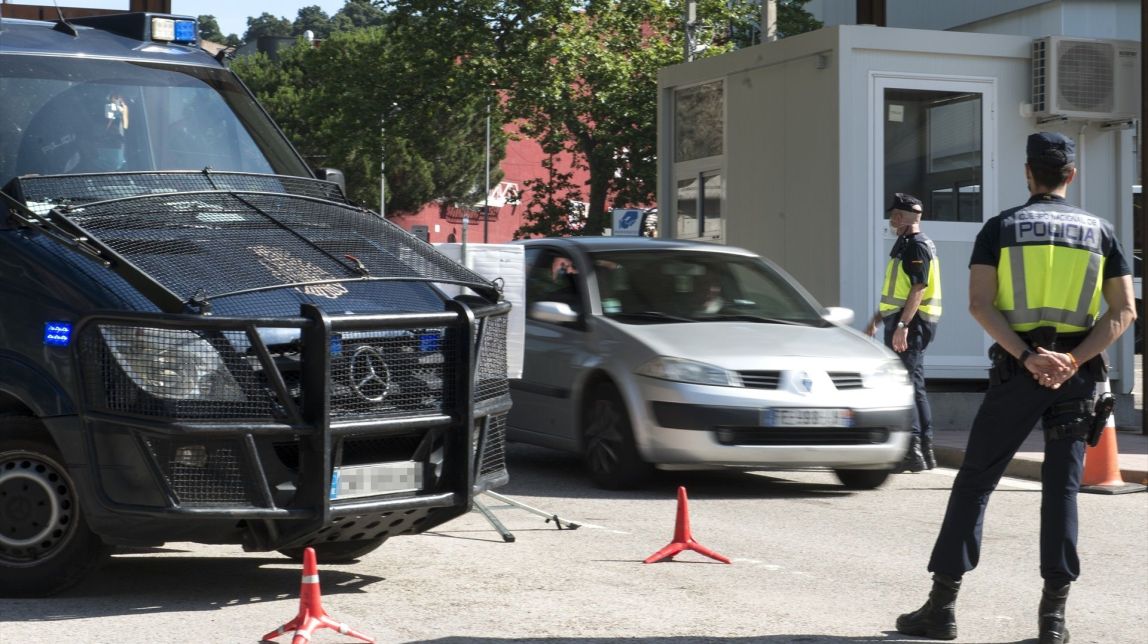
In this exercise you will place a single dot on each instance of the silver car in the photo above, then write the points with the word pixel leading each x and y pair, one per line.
pixel 643 353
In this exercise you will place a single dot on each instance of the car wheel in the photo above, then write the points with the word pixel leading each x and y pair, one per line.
pixel 45 543
pixel 336 552
pixel 608 446
pixel 862 479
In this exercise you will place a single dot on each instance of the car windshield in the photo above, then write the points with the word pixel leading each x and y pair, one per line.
pixel 647 286
pixel 67 115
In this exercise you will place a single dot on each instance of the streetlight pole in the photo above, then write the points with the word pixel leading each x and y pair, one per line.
pixel 486 201
pixel 382 165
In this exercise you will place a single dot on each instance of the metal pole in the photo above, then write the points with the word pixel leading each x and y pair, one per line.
pixel 691 17
pixel 768 20
pixel 382 165
pixel 486 202
pixel 1143 195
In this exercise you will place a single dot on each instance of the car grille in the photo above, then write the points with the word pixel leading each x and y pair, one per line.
pixel 760 379
pixel 399 374
pixel 801 436
pixel 846 380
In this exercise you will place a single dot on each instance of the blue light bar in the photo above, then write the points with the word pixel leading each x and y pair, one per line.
pixel 185 31
pixel 57 334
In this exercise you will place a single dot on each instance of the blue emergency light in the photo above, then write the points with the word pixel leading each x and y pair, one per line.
pixel 172 30
pixel 57 334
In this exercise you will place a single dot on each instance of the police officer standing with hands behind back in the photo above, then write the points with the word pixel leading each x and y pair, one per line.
pixel 1037 275
pixel 910 309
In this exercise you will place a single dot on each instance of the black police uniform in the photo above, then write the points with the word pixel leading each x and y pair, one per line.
pixel 1011 407
pixel 916 252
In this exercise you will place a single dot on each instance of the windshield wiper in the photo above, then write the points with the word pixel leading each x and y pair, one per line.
pixel 653 315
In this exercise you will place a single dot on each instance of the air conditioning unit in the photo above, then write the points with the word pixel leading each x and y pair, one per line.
pixel 1081 78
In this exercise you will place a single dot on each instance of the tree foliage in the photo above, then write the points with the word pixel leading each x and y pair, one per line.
pixel 360 100
pixel 411 81
pixel 266 24
pixel 209 30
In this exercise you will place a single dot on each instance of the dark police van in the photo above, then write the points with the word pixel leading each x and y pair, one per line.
pixel 199 339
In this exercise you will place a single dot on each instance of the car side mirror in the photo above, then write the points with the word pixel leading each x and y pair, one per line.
pixel 334 176
pixel 838 315
pixel 554 312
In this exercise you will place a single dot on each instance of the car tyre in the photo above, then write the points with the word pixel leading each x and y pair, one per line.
pixel 45 543
pixel 608 446
pixel 336 552
pixel 862 479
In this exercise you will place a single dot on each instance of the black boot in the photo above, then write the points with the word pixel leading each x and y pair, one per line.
pixel 937 619
pixel 927 452
pixel 913 461
pixel 1052 600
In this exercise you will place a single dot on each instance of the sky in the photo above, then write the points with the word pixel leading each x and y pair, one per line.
pixel 231 14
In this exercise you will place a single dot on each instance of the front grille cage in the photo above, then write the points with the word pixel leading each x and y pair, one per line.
pixel 405 372
pixel 490 377
pixel 493 460
pixel 201 472
pixel 166 372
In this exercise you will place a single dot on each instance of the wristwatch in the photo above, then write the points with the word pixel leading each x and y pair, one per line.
pixel 1025 355
pixel 901 324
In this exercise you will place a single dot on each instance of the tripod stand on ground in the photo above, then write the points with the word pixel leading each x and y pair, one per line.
pixel 507 535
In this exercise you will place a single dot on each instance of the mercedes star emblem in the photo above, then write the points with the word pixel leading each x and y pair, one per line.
pixel 369 375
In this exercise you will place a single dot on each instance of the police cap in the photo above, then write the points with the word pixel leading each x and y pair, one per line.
pixel 1050 149
pixel 905 201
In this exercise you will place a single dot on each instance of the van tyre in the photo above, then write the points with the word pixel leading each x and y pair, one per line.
pixel 862 479
pixel 45 543
pixel 608 446
pixel 336 552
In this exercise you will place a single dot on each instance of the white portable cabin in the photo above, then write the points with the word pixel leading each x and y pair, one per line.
pixel 793 148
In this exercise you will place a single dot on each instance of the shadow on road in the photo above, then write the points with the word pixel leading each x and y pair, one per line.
pixel 140 585
pixel 545 472
pixel 888 636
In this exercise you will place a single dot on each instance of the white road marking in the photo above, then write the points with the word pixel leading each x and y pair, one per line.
pixel 1023 484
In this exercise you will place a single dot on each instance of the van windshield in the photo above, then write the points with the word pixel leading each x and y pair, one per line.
pixel 687 286
pixel 67 115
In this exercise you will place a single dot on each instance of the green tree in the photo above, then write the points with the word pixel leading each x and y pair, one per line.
pixel 793 19
pixel 312 19
pixel 357 14
pixel 266 25
pixel 209 30
pixel 361 98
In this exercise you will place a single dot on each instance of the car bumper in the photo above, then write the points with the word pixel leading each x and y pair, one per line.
pixel 723 426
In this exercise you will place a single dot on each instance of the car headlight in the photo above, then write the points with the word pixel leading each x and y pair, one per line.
pixel 172 364
pixel 889 374
pixel 698 373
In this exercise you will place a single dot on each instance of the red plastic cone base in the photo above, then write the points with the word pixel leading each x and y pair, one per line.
pixel 311 615
pixel 683 540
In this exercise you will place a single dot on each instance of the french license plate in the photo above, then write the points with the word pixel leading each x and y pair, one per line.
pixel 373 480
pixel 798 417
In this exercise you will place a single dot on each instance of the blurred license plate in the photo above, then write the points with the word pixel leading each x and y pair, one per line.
pixel 794 417
pixel 372 480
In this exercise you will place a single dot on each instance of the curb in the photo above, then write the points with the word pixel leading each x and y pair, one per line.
pixel 1021 468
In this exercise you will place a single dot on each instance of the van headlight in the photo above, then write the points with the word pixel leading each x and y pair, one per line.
pixel 173 364
pixel 697 373
pixel 889 374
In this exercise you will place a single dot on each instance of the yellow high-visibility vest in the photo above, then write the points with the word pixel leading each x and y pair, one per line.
pixel 895 292
pixel 1050 267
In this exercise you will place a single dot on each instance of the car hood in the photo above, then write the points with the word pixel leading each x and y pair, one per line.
pixel 752 345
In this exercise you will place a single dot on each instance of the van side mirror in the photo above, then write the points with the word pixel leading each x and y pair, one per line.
pixel 554 312
pixel 838 315
pixel 334 176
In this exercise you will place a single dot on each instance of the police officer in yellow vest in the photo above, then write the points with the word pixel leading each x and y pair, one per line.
pixel 1037 275
pixel 910 309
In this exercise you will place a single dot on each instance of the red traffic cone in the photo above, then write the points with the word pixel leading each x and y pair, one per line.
pixel 311 615
pixel 683 540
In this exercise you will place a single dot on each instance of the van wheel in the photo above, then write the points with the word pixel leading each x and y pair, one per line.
pixel 45 543
pixel 336 552
pixel 608 446
pixel 862 479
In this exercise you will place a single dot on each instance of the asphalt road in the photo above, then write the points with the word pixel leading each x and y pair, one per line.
pixel 811 563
